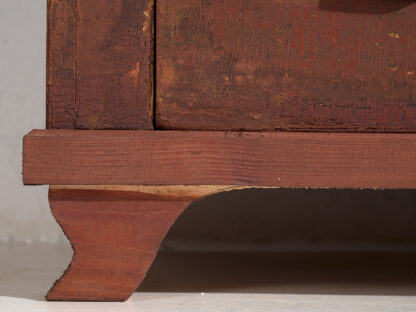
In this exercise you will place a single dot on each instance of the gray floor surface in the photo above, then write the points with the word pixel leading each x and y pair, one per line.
pixel 225 282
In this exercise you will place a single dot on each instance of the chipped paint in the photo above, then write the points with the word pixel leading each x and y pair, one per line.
pixel 148 14
pixel 394 35
pixel 93 120
pixel 300 65
pixel 135 74
pixel 394 68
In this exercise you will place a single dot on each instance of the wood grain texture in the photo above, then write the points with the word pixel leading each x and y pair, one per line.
pixel 269 159
pixel 60 85
pixel 333 65
pixel 115 236
pixel 100 64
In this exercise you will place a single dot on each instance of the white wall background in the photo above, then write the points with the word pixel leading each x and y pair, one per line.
pixel 24 213
pixel 280 219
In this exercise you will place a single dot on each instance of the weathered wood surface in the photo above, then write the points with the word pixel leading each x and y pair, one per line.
pixel 269 159
pixel 341 65
pixel 60 85
pixel 115 236
pixel 100 64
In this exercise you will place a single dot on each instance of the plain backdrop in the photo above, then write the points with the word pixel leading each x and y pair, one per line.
pixel 252 219
pixel 24 214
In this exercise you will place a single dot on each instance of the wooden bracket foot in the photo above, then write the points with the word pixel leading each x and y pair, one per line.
pixel 115 233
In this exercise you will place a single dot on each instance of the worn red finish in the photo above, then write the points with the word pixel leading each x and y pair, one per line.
pixel 60 72
pixel 100 64
pixel 287 65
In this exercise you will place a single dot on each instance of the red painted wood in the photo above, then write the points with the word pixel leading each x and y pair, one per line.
pixel 220 158
pixel 60 98
pixel 100 64
pixel 327 65
pixel 115 237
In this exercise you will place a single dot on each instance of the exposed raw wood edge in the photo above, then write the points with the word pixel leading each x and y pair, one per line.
pixel 178 192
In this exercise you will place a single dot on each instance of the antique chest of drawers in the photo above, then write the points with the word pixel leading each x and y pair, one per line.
pixel 154 104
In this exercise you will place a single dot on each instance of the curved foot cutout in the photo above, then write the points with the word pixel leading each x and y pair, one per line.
pixel 115 235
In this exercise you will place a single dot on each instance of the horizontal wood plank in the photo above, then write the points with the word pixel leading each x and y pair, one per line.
pixel 318 160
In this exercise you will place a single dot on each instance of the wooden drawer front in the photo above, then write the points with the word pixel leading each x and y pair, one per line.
pixel 336 65
pixel 100 64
